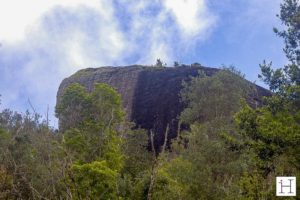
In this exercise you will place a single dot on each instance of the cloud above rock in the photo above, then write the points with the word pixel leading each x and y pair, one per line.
pixel 44 41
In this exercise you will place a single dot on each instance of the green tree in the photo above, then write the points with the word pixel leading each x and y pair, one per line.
pixel 73 107
pixel 95 180
pixel 290 17
pixel 202 165
pixel 29 157
pixel 94 142
pixel 272 132
pixel 219 96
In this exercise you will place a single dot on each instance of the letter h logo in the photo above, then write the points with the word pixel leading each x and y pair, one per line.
pixel 285 186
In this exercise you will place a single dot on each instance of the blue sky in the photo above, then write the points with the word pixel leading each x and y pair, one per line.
pixel 43 42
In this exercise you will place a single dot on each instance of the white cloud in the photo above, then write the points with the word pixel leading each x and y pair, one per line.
pixel 160 47
pixel 163 25
pixel 193 16
pixel 19 17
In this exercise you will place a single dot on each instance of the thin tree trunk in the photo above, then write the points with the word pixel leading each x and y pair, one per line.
pixel 156 163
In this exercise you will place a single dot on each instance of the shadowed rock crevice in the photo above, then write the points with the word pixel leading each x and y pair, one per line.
pixel 157 102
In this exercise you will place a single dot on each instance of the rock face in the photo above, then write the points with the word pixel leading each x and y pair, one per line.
pixel 150 94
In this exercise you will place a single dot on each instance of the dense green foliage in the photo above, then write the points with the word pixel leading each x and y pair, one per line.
pixel 210 98
pixel 30 157
pixel 232 147
pixel 202 165
pixel 96 155
pixel 272 132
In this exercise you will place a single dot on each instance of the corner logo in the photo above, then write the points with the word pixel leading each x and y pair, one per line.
pixel 286 186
